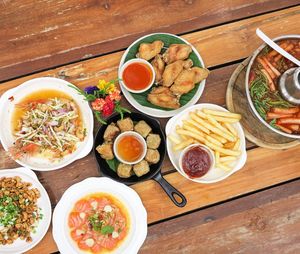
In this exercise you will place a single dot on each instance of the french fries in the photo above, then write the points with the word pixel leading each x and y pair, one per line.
pixel 211 128
pixel 174 139
pixel 217 155
pixel 214 129
pixel 183 144
pixel 219 138
pixel 222 150
pixel 222 113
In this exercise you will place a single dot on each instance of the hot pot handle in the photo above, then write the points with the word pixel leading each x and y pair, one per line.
pixel 170 190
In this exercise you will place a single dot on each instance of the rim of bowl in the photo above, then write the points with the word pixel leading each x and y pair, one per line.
pixel 253 109
pixel 207 149
pixel 130 133
pixel 137 60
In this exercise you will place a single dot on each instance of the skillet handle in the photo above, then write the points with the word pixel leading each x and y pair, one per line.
pixel 170 190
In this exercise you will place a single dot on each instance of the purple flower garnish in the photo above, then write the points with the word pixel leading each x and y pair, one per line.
pixel 91 89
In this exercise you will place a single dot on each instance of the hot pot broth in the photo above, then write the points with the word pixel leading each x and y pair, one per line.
pixel 264 79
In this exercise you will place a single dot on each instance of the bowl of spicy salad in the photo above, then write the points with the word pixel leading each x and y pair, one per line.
pixel 46 124
pixel 262 79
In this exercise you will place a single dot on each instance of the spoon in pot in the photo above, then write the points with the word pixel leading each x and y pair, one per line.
pixel 276 47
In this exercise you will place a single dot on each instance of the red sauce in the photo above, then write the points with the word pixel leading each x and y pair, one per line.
pixel 137 76
pixel 196 162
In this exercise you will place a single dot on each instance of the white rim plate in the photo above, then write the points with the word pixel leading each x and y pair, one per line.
pixel 18 93
pixel 21 246
pixel 129 198
pixel 159 112
pixel 215 174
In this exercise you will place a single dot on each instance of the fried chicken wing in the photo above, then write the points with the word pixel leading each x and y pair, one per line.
pixel 159 67
pixel 172 71
pixel 177 52
pixel 187 79
pixel 149 50
pixel 200 74
pixel 163 97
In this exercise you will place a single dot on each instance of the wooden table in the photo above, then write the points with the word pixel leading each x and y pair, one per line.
pixel 256 210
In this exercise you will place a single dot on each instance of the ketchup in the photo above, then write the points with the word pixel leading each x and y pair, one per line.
pixel 196 162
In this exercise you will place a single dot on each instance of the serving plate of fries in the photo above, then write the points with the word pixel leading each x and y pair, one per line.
pixel 214 127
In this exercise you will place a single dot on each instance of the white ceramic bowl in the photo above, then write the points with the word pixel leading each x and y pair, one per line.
pixel 21 246
pixel 132 202
pixel 136 60
pixel 7 107
pixel 139 137
pixel 215 174
pixel 207 149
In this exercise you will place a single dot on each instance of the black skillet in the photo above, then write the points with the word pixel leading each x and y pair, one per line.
pixel 154 172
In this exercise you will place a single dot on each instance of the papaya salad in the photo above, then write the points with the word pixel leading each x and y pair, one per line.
pixel 264 78
pixel 46 127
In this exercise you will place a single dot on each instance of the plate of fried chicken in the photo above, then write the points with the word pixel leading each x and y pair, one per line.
pixel 179 74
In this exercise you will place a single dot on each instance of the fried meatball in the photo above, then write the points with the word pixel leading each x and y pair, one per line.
pixel 125 125
pixel 111 132
pixel 141 168
pixel 106 151
pixel 124 170
pixel 152 156
pixel 142 128
pixel 153 141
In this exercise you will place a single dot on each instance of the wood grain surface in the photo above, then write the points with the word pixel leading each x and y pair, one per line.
pixel 218 45
pixel 35 35
pixel 264 222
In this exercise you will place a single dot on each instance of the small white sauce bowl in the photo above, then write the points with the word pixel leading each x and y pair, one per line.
pixel 139 137
pixel 136 60
pixel 205 148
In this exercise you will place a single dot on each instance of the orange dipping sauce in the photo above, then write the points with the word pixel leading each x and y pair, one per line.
pixel 130 148
pixel 137 76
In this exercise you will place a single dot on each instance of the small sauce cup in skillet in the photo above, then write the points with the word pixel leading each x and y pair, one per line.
pixel 154 173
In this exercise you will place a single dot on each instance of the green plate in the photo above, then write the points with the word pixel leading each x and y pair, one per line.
pixel 139 101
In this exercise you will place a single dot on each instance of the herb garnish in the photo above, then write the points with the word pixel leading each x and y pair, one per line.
pixel 263 99
pixel 8 211
pixel 107 230
pixel 97 225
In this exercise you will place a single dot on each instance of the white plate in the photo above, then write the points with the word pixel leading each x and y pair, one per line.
pixel 137 213
pixel 7 107
pixel 215 174
pixel 159 112
pixel 21 246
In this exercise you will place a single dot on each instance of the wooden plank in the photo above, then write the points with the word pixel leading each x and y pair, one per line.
pixel 264 168
pixel 53 33
pixel 217 46
pixel 265 221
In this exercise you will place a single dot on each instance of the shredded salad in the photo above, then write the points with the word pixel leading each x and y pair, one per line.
pixel 50 125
